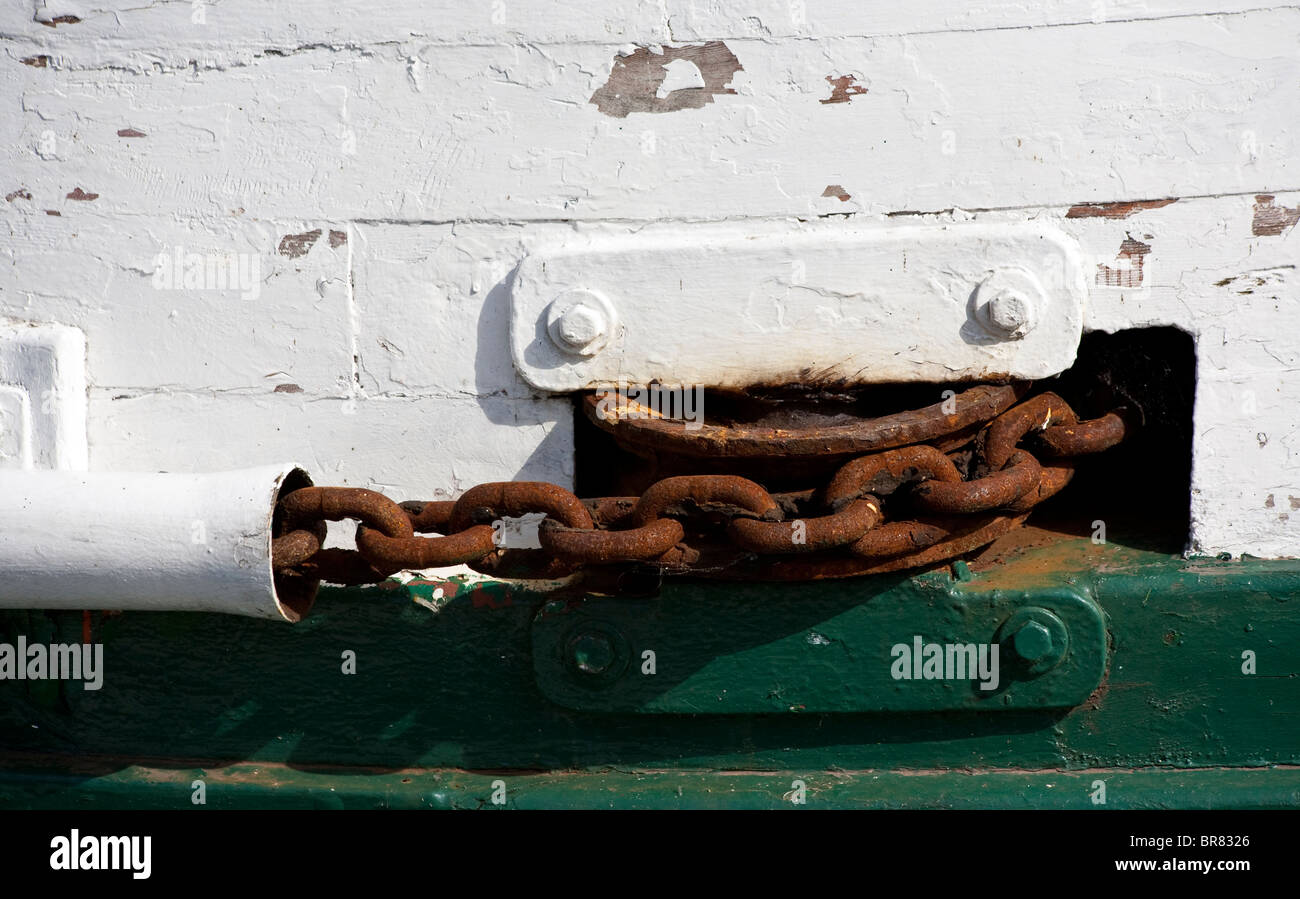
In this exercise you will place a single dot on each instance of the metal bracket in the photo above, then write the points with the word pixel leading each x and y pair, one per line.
pixel 722 307
pixel 817 652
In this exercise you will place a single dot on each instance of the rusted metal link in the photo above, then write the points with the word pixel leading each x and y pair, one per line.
pixel 343 566
pixel 590 547
pixel 1093 436
pixel 806 535
pixel 709 493
pixel 1009 428
pixel 981 534
pixel 374 510
pixel 402 553
pixel 969 408
pixel 1054 479
pixel 882 474
pixel 976 533
pixel 297 546
pixel 488 502
pixel 431 517
pixel 1020 475
pixel 899 537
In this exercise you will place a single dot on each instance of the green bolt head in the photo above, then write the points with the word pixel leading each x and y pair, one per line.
pixel 592 653
pixel 1032 641
pixel 1037 637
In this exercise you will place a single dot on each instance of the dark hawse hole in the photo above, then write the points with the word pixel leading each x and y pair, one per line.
pixel 1141 489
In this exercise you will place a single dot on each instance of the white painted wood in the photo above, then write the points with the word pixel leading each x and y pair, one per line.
pixel 725 308
pixel 96 540
pixel 200 27
pixel 1188 106
pixel 449 141
pixel 42 396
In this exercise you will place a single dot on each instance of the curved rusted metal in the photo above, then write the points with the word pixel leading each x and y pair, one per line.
pixel 1019 476
pixel 682 495
pixel 488 502
pixel 1093 436
pixel 882 474
pixel 807 535
pixel 969 408
pixel 594 547
pixel 1034 414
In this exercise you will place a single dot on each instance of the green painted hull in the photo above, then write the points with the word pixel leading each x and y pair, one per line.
pixel 447 699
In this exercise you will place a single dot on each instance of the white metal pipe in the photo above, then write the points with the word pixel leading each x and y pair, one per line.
pixel 98 540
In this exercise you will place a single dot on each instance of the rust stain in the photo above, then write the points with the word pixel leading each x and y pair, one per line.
pixel 843 89
pixel 839 193
pixel 79 194
pixel 295 245
pixel 1270 220
pixel 53 212
pixel 1268 503
pixel 20 192
pixel 1294 501
pixel 634 80
pixel 287 388
pixel 1115 210
pixel 36 62
pixel 60 20
pixel 130 132
pixel 338 238
pixel 1127 271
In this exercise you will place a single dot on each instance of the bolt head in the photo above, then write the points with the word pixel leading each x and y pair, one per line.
pixel 592 653
pixel 1009 303
pixel 581 322
pixel 1010 311
pixel 1032 641
pixel 578 327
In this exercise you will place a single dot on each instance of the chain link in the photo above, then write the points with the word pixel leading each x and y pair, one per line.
pixel 963 492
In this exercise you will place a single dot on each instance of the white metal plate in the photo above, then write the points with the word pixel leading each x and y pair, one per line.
pixel 42 397
pixel 717 307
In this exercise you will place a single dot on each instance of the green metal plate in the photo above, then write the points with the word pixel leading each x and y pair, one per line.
pixel 794 649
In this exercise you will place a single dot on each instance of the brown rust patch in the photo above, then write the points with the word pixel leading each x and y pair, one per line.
pixel 338 238
pixel 1115 210
pixel 53 212
pixel 634 81
pixel 843 89
pixel 295 245
pixel 287 388
pixel 130 132
pixel 20 192
pixel 1270 220
pixel 1127 271
pixel 79 194
pixel 839 193
pixel 36 62
pixel 60 20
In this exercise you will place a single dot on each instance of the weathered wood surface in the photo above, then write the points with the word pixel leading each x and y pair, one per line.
pixel 386 165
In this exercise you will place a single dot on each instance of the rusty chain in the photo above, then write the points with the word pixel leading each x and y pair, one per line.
pixel 907 506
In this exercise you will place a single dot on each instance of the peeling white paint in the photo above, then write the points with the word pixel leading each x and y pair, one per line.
pixel 433 148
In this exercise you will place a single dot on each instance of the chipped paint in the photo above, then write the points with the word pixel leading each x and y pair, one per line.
pixel 130 132
pixel 295 245
pixel 1127 271
pixel 1116 210
pixel 843 88
pixel 1271 220
pixel 79 194
pixel 839 193
pixel 635 80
